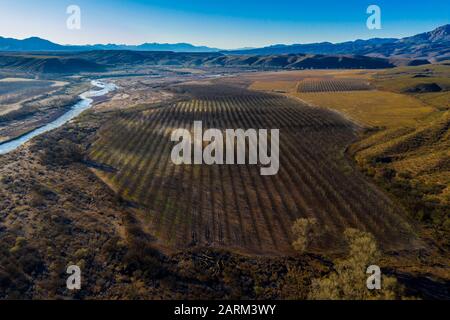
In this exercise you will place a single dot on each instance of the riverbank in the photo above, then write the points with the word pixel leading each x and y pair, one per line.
pixel 86 100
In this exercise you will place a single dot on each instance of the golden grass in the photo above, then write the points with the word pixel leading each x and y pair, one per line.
pixel 287 81
pixel 404 78
pixel 386 107
pixel 280 86
pixel 423 151
pixel 437 70
pixel 404 83
pixel 372 108
pixel 440 100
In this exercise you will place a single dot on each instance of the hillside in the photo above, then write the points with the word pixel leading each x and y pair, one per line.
pixel 414 165
pixel 294 61
pixel 47 64
pixel 413 162
pixel 301 61
pixel 102 60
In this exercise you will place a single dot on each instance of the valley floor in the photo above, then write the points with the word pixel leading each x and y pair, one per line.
pixel 95 193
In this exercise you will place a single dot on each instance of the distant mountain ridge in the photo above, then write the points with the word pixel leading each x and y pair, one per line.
pixel 440 34
pixel 316 48
pixel 37 44
pixel 174 47
pixel 432 45
pixel 29 44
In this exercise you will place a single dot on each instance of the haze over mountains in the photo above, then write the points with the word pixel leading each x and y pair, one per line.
pixel 433 45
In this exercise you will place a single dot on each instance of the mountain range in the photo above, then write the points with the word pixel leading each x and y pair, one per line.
pixel 36 44
pixel 38 55
pixel 433 45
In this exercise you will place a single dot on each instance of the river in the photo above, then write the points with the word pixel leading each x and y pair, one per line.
pixel 75 110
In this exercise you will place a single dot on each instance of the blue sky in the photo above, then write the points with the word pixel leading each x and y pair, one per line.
pixel 218 23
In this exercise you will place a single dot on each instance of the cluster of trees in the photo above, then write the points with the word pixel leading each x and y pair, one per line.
pixel 348 279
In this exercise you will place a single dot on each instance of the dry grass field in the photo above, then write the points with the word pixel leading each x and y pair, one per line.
pixel 372 108
pixel 352 93
pixel 234 206
pixel 429 83
pixel 404 78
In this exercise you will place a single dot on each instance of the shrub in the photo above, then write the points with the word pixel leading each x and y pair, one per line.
pixel 305 232
pixel 348 281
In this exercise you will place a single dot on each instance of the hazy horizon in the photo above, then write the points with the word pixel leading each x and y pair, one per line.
pixel 201 44
pixel 223 25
